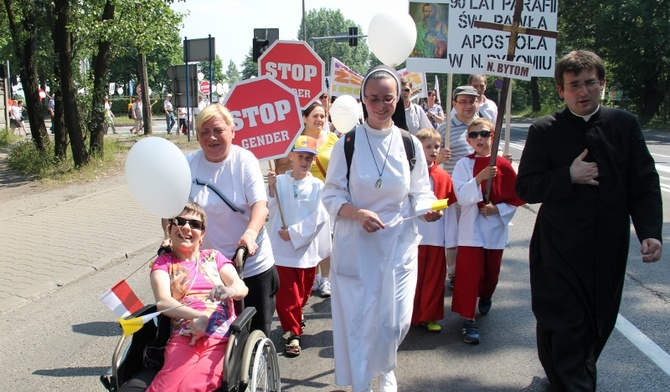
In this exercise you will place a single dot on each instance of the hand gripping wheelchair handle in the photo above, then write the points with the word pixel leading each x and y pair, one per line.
pixel 241 254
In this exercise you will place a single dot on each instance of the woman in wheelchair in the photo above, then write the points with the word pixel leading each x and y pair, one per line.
pixel 200 285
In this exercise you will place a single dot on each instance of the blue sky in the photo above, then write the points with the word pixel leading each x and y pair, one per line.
pixel 232 22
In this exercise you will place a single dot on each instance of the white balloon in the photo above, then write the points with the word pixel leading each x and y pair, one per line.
pixel 158 176
pixel 391 37
pixel 345 113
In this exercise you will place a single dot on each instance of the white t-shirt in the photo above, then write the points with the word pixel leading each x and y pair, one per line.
pixel 240 180
pixel 416 118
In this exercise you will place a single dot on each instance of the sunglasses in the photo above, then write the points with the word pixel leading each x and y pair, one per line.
pixel 406 90
pixel 483 134
pixel 194 223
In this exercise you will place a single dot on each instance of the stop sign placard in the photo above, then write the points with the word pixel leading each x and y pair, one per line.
pixel 204 87
pixel 267 116
pixel 297 65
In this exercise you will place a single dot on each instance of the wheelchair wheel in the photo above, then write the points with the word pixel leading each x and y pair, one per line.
pixel 260 368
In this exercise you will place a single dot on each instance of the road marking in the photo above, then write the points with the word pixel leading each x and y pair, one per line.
pixel 644 344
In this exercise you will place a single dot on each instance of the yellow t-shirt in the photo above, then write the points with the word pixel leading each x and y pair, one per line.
pixel 320 167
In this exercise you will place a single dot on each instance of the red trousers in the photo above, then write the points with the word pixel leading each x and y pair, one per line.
pixel 477 271
pixel 295 286
pixel 429 296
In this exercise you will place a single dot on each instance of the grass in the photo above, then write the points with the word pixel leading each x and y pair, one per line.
pixel 7 138
pixel 23 157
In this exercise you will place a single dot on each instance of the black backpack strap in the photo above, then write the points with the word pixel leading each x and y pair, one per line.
pixel 349 139
pixel 409 148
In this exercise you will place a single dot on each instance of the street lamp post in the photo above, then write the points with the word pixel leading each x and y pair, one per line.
pixel 304 28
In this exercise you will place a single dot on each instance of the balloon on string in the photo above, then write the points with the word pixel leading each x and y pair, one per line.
pixel 392 37
pixel 345 113
pixel 158 176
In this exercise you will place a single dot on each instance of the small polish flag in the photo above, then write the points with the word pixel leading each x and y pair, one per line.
pixel 121 299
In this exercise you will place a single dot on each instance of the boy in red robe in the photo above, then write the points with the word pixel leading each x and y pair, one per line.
pixel 483 227
pixel 432 263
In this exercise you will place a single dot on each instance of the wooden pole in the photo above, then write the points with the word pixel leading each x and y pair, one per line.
pixel 447 113
pixel 508 115
pixel 515 29
pixel 274 189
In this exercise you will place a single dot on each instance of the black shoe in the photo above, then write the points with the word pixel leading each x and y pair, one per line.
pixel 484 305
pixel 452 281
pixel 470 332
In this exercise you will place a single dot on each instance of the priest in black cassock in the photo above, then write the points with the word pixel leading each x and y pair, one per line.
pixel 590 168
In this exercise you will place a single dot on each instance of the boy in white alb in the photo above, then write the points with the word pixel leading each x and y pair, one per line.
pixel 299 230
pixel 483 226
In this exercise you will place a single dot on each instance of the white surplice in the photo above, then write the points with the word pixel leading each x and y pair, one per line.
pixel 305 217
pixel 373 275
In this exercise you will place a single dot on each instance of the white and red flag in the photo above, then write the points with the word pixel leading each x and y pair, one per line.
pixel 121 299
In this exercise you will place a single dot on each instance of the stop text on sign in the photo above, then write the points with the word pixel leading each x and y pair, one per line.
pixel 266 113
pixel 297 72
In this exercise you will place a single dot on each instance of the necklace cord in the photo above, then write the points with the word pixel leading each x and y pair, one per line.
pixel 373 154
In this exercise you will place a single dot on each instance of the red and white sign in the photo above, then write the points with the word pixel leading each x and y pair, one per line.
pixel 297 65
pixel 204 87
pixel 267 115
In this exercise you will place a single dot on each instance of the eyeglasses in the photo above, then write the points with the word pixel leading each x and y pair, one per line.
pixel 483 134
pixel 470 103
pixel 576 86
pixel 406 89
pixel 194 223
pixel 386 100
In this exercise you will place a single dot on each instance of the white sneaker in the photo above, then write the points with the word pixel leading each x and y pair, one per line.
pixel 317 285
pixel 325 288
pixel 387 382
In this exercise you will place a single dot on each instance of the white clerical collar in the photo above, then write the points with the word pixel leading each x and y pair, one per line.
pixel 588 116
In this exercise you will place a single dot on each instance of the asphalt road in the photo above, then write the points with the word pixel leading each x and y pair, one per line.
pixel 64 340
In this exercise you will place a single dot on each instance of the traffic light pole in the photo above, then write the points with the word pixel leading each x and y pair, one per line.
pixel 339 38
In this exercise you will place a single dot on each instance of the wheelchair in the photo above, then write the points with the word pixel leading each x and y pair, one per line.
pixel 250 363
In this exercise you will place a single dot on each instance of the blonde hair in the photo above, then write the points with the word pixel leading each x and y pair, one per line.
pixel 213 111
pixel 483 122
pixel 428 133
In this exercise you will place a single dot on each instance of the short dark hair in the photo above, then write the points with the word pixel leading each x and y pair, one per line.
pixel 577 61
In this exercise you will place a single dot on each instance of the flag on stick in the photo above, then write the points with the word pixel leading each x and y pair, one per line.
pixel 423 208
pixel 132 325
pixel 121 299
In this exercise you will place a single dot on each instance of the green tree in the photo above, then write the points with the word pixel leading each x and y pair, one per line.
pixel 629 35
pixel 326 23
pixel 232 73
pixel 249 67
pixel 23 19
pixel 632 37
pixel 217 70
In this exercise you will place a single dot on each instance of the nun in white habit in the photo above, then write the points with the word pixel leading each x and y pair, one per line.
pixel 374 254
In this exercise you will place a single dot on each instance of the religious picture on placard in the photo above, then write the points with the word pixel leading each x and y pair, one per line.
pixel 431 50
pixel 431 21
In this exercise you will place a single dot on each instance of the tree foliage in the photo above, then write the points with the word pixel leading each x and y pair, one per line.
pixel 232 73
pixel 328 23
pixel 631 36
pixel 71 46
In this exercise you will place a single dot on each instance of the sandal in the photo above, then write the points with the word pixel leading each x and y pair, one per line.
pixel 292 347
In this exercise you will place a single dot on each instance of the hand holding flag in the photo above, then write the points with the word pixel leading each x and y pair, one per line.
pixel 424 208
